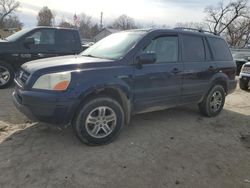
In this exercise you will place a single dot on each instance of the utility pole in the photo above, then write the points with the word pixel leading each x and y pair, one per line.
pixel 101 21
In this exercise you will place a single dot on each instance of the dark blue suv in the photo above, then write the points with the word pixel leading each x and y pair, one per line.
pixel 127 73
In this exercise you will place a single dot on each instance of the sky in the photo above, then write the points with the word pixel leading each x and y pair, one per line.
pixel 155 12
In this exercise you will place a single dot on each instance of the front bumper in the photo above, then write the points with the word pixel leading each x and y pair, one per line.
pixel 45 107
pixel 245 76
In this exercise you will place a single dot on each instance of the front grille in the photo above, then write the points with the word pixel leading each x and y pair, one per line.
pixel 22 77
pixel 245 69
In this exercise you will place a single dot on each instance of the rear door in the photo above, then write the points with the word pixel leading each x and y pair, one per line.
pixel 68 42
pixel 158 85
pixel 198 67
pixel 222 56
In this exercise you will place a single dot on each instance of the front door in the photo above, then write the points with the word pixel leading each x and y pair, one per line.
pixel 43 47
pixel 158 85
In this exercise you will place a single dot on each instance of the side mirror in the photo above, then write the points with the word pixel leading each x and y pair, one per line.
pixel 29 41
pixel 147 58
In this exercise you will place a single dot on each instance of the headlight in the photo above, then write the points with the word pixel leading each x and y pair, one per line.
pixel 54 81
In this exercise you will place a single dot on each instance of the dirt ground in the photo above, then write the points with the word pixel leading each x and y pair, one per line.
pixel 171 148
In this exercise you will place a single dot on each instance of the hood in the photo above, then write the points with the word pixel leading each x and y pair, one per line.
pixel 7 47
pixel 3 41
pixel 248 64
pixel 63 62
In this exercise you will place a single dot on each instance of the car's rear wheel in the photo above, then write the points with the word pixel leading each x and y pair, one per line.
pixel 6 75
pixel 244 84
pixel 99 121
pixel 213 102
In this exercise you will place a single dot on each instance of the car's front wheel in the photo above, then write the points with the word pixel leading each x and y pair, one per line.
pixel 6 75
pixel 244 84
pixel 213 102
pixel 99 121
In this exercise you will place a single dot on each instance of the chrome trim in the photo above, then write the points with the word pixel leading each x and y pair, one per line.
pixel 18 84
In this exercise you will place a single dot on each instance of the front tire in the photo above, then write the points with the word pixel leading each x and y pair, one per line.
pixel 99 121
pixel 243 84
pixel 213 102
pixel 6 75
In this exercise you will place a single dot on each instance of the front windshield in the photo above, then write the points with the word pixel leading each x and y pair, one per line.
pixel 17 35
pixel 114 46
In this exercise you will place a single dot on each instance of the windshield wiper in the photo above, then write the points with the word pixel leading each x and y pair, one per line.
pixel 89 56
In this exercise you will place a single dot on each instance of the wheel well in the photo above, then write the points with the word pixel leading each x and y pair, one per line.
pixel 115 94
pixel 9 64
pixel 223 83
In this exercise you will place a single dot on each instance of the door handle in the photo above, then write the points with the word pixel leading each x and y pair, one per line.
pixel 175 71
pixel 41 55
pixel 211 69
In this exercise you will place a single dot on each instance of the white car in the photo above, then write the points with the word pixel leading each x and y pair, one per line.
pixel 245 76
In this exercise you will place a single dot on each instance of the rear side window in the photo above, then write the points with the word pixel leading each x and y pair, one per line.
pixel 220 49
pixel 193 49
pixel 66 38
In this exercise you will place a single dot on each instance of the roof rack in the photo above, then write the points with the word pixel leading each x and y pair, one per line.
pixel 197 30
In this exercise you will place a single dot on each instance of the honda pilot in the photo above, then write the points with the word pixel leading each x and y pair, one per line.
pixel 124 74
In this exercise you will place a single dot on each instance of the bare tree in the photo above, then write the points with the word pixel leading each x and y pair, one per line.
pixel 124 22
pixel 151 25
pixel 45 17
pixel 85 24
pixel 95 29
pixel 221 16
pixel 65 24
pixel 238 33
pixel 87 28
pixel 7 7
pixel 194 25
pixel 13 22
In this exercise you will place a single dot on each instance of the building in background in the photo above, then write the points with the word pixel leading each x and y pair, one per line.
pixel 104 33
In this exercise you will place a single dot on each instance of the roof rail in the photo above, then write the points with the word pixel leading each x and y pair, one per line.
pixel 197 30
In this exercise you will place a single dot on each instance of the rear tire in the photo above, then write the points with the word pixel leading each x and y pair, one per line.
pixel 99 121
pixel 243 84
pixel 7 75
pixel 213 102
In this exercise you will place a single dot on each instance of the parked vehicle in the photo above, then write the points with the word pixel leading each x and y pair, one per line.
pixel 245 76
pixel 124 74
pixel 35 43
pixel 240 56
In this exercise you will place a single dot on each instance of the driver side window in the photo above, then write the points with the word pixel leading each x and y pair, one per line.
pixel 44 37
pixel 165 48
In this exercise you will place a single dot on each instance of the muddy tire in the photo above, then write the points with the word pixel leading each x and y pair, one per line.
pixel 213 102
pixel 99 121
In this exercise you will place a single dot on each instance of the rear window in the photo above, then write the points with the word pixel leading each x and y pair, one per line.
pixel 193 49
pixel 66 37
pixel 220 49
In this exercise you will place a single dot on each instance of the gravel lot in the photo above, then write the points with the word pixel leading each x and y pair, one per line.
pixel 171 148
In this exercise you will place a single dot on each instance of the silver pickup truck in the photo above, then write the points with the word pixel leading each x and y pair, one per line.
pixel 245 76
pixel 240 56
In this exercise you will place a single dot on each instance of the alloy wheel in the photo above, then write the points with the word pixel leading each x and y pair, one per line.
pixel 216 101
pixel 101 122
pixel 4 75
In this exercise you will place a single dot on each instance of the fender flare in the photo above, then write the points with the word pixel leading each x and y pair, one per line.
pixel 120 87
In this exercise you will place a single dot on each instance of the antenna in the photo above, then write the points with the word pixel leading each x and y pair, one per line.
pixel 101 21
